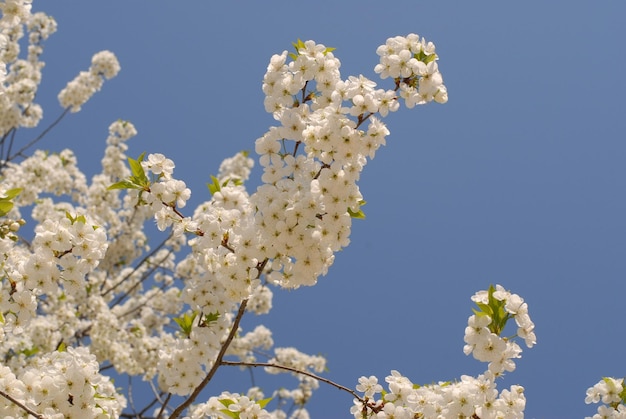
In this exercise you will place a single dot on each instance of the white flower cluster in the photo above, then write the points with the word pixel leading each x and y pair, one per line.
pixel 487 346
pixel 45 173
pixel 400 59
pixel 104 64
pixel 251 405
pixel 18 86
pixel 470 396
pixel 228 405
pixel 291 227
pixel 89 291
pixel 60 385
pixel 3 66
pixel 611 392
pixel 310 194
pixel 75 244
pixel 14 12
pixel 166 195
pixel 236 168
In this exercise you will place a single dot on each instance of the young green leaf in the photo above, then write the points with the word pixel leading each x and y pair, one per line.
pixel 209 318
pixel 138 179
pixel 5 207
pixel 186 322
pixel 5 201
pixel 226 403
pixel 214 186
pixel 138 174
pixel 358 214
pixel 264 402
pixel 124 184
pixel 11 193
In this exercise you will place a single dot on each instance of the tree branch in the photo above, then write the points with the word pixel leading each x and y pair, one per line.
pixel 294 370
pixel 218 362
pixel 40 136
pixel 20 405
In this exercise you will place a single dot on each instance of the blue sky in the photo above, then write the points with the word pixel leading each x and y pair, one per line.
pixel 519 179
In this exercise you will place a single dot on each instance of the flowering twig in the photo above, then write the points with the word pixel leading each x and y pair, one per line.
pixel 20 405
pixel 294 370
pixel 218 362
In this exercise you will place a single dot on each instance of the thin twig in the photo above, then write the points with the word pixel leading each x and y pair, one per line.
pixel 144 260
pixel 294 370
pixel 40 136
pixel 157 398
pixel 20 405
pixel 167 400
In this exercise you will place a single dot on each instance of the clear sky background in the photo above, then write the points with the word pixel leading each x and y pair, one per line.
pixel 520 179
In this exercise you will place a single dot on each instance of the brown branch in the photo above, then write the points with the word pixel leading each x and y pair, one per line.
pixel 144 260
pixel 294 370
pixel 218 362
pixel 21 405
pixel 40 136
pixel 167 400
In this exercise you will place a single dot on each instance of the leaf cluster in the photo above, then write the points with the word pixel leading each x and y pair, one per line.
pixel 496 310
pixel 137 179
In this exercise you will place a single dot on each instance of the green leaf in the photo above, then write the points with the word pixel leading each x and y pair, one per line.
pixel 30 352
pixel 136 168
pixel 186 322
pixel 5 207
pixel 5 201
pixel 425 58
pixel 358 214
pixel 264 402
pixel 11 193
pixel 622 395
pixel 226 403
pixel 138 179
pixel 124 184
pixel 209 318
pixel 227 412
pixel 214 186
pixel 79 218
pixel 298 45
pixel 485 308
pixel 430 58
